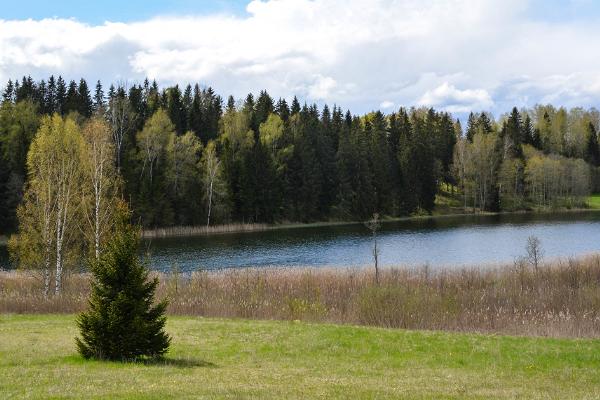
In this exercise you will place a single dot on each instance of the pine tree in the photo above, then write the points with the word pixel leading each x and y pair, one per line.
pixel 122 323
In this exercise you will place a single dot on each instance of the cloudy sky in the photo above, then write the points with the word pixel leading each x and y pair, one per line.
pixel 457 55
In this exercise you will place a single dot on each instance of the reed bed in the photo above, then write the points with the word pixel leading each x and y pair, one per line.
pixel 176 231
pixel 557 299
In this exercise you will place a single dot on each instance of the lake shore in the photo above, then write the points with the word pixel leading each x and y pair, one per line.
pixel 558 298
pixel 190 231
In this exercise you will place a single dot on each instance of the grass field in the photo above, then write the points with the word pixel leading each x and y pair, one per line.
pixel 593 201
pixel 215 358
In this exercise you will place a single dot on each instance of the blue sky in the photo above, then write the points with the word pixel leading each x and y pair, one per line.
pixel 455 55
pixel 98 11
pixel 95 12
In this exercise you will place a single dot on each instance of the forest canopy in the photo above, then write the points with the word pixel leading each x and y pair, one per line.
pixel 184 156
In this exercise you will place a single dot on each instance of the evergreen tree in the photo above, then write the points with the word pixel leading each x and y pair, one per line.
pixel 230 103
pixel 471 127
pixel 40 97
pixel 26 91
pixel 283 110
pixel 175 109
pixel 51 96
pixel 196 113
pixel 99 103
pixel 264 107
pixel 593 151
pixel 122 322
pixel 85 106
pixel 295 109
pixel 61 95
pixel 512 132
pixel 187 107
pixel 528 131
pixel 8 94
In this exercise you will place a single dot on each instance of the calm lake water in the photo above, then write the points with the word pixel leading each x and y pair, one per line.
pixel 448 241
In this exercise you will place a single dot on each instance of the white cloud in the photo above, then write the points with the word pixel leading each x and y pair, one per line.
pixel 386 104
pixel 453 54
pixel 450 98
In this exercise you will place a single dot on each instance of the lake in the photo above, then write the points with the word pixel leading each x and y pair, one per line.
pixel 445 241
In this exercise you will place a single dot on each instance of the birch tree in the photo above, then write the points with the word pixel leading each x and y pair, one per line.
pixel 184 162
pixel 212 178
pixel 120 116
pixel 153 140
pixel 32 247
pixel 66 141
pixel 101 182
pixel 47 215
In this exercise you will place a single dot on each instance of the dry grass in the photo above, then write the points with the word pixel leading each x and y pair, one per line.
pixel 560 299
pixel 176 231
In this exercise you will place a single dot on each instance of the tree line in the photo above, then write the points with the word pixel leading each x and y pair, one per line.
pixel 187 157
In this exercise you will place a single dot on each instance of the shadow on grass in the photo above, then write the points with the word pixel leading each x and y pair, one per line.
pixel 166 361
pixel 178 362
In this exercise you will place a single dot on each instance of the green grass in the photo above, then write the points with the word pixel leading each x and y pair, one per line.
pixel 593 201
pixel 213 358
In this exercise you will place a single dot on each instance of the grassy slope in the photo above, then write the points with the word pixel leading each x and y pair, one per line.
pixel 261 359
pixel 593 201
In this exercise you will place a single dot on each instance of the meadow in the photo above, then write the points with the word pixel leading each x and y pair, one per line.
pixel 557 299
pixel 237 359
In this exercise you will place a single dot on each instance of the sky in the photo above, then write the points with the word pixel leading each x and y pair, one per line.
pixel 454 55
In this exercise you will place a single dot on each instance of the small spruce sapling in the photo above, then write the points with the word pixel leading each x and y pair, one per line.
pixel 122 322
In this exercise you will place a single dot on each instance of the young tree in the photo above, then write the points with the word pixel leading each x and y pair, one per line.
pixel 183 175
pixel 212 179
pixel 153 139
pixel 374 225
pixel 534 251
pixel 101 181
pixel 47 215
pixel 122 322
pixel 120 118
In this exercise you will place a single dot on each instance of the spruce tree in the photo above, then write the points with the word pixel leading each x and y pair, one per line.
pixel 86 105
pixel 99 98
pixel 122 323
pixel 593 150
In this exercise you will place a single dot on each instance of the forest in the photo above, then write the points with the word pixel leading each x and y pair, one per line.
pixel 185 156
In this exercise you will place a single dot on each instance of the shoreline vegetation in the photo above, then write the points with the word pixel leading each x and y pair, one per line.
pixel 190 231
pixel 593 203
pixel 559 298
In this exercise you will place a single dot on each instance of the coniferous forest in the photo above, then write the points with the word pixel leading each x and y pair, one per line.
pixel 187 156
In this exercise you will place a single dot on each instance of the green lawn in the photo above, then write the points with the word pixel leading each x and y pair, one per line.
pixel 213 358
pixel 593 201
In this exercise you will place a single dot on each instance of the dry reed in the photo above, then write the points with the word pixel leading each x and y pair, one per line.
pixel 176 231
pixel 559 299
